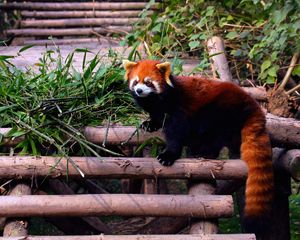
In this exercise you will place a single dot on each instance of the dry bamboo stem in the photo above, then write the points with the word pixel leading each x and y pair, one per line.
pixel 78 22
pixel 204 206
pixel 76 6
pixel 28 166
pixel 67 31
pixel 78 14
pixel 294 89
pixel 143 237
pixel 220 66
pixel 290 69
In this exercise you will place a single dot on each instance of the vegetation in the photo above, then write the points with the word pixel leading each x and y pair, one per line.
pixel 50 105
pixel 261 36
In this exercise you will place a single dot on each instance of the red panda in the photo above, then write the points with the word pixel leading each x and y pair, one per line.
pixel 206 115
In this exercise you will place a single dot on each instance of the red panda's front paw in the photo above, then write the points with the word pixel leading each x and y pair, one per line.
pixel 167 158
pixel 149 126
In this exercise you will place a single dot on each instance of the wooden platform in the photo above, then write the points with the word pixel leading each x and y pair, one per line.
pixel 29 58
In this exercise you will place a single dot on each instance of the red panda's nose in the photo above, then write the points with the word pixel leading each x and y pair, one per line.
pixel 139 91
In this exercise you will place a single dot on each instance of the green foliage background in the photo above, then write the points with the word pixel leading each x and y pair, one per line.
pixel 261 36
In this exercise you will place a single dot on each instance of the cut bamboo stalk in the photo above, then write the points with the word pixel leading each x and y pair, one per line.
pixel 17 227
pixel 29 166
pixel 80 14
pixel 290 69
pixel 204 206
pixel 34 32
pixel 219 64
pixel 78 22
pixel 290 163
pixel 77 6
pixel 143 237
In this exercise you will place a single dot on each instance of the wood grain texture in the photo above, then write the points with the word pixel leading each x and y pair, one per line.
pixel 117 204
pixel 109 167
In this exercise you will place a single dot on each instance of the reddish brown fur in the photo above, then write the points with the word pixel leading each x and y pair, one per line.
pixel 255 148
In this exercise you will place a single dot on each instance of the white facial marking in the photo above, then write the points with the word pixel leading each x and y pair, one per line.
pixel 154 83
pixel 142 90
pixel 156 86
pixel 132 82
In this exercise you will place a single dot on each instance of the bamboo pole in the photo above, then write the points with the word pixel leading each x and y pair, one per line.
pixel 78 22
pixel 289 162
pixel 109 167
pixel 60 187
pixel 219 64
pixel 290 69
pixel 143 237
pixel 282 131
pixel 78 14
pixel 76 6
pixel 205 207
pixel 199 226
pixel 34 32
pixel 17 227
pixel 54 41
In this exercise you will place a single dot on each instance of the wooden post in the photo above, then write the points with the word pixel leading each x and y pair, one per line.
pixel 17 227
pixel 199 226
pixel 219 64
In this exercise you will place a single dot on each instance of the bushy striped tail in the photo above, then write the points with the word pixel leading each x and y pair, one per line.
pixel 256 151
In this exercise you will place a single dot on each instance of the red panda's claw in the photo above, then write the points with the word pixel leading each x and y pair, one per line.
pixel 166 158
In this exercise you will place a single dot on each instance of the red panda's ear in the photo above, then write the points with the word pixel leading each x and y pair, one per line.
pixel 128 65
pixel 165 69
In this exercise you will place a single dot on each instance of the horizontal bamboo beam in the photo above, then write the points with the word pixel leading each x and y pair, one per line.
pixel 109 167
pixel 290 162
pixel 204 206
pixel 54 41
pixel 141 237
pixel 78 14
pixel 78 22
pixel 284 132
pixel 118 135
pixel 76 6
pixel 35 32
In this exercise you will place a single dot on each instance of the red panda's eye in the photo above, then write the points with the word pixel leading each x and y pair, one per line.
pixel 148 84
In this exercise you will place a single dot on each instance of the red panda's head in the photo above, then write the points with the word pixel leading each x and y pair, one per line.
pixel 147 76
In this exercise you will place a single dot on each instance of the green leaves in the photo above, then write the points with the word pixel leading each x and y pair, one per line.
pixel 194 44
pixel 266 64
pixel 37 104
pixel 232 35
